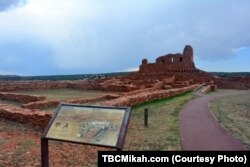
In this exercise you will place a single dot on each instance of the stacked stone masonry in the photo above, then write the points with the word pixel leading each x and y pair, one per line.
pixel 54 103
pixel 41 118
pixel 233 83
pixel 78 85
pixel 179 65
pixel 146 96
pixel 21 98
pixel 35 118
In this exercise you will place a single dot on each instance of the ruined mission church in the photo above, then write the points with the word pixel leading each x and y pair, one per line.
pixel 172 62
pixel 179 65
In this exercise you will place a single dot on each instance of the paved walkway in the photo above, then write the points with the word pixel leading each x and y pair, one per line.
pixel 200 131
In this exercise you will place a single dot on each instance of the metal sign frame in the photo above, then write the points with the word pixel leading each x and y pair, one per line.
pixel 120 139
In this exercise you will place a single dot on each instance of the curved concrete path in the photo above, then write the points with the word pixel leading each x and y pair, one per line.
pixel 200 131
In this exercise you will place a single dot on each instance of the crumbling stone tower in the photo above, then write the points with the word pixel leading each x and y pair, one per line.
pixel 188 55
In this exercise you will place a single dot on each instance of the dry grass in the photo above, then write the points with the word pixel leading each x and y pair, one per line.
pixel 163 130
pixel 233 113
pixel 64 94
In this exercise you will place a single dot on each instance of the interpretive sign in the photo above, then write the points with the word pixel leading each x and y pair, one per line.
pixel 92 125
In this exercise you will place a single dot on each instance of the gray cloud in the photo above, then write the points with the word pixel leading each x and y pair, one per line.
pixel 8 4
pixel 104 36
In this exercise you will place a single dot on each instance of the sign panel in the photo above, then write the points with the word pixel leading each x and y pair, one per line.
pixel 94 125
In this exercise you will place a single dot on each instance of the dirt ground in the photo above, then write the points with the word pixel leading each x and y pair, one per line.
pixel 20 147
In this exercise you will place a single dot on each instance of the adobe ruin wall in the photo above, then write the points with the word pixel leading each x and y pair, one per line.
pixel 146 96
pixel 54 103
pixel 240 83
pixel 45 85
pixel 78 85
pixel 40 119
pixel 21 98
pixel 179 65
pixel 35 118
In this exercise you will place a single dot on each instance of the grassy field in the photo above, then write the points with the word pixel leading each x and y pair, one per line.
pixel 163 130
pixel 64 94
pixel 234 114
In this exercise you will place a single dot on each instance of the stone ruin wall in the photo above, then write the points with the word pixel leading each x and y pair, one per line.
pixel 142 97
pixel 40 119
pixel 21 98
pixel 29 112
pixel 31 85
pixel 233 83
pixel 181 66
pixel 154 77
pixel 54 103
pixel 35 118
pixel 78 85
pixel 171 62
pixel 209 88
pixel 41 104
pixel 45 85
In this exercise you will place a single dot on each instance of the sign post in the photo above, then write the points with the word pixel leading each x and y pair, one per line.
pixel 44 152
pixel 146 117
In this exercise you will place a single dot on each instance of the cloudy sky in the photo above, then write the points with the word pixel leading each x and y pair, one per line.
pixel 47 37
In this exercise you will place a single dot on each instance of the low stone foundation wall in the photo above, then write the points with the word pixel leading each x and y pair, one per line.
pixel 41 104
pixel 41 118
pixel 139 98
pixel 209 88
pixel 84 100
pixel 31 85
pixel 170 80
pixel 45 85
pixel 241 83
pixel 157 86
pixel 36 118
pixel 79 85
pixel 22 98
pixel 54 103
